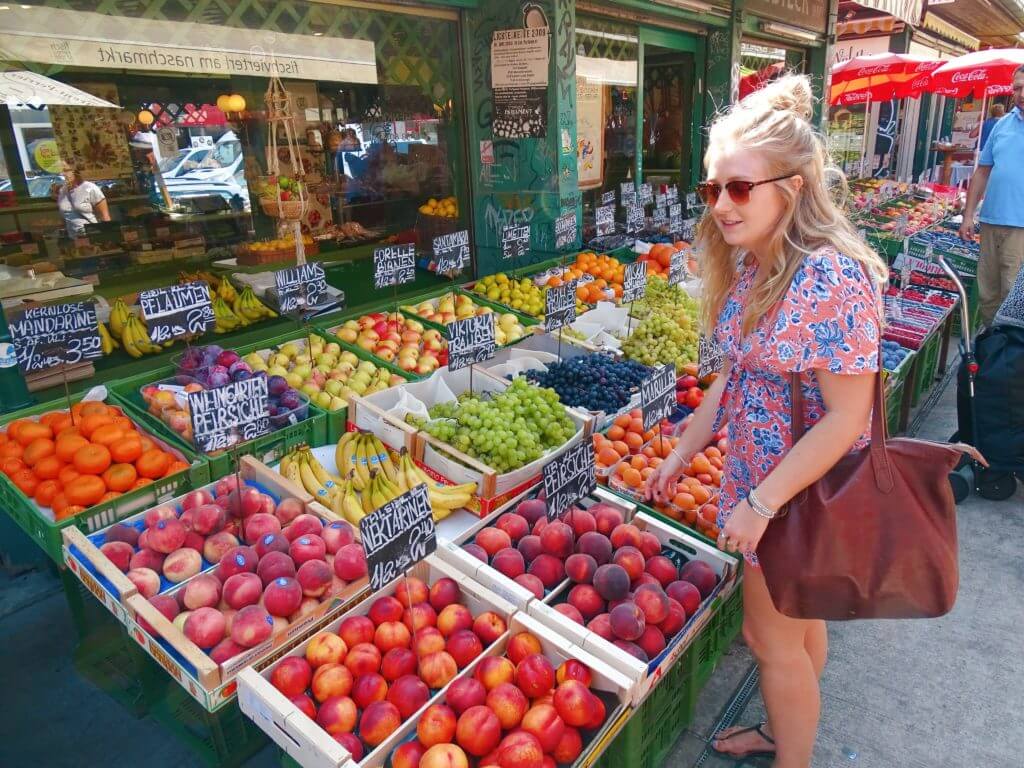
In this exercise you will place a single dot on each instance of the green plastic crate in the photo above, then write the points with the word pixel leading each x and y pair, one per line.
pixel 47 533
pixel 928 361
pixel 526 320
pixel 110 660
pixel 893 401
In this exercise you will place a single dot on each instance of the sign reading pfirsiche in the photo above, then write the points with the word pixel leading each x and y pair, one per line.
pixel 234 413
pixel 397 536
pixel 301 287
pixel 658 395
pixel 394 265
pixel 569 478
pixel 470 341
pixel 52 335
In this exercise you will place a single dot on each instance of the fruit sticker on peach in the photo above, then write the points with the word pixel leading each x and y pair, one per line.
pixel 398 535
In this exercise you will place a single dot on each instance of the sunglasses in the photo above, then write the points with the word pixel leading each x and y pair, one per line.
pixel 739 191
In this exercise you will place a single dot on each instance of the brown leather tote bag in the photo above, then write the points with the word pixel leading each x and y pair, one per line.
pixel 875 538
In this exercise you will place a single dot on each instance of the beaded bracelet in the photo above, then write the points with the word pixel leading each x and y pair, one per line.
pixel 761 509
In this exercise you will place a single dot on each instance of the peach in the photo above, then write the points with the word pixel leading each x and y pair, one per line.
pixel 307 607
pixel 392 634
pixel 495 670
pixel 663 569
pixel 542 721
pixel 355 630
pixel 587 600
pixel 645 578
pixel 205 627
pixel 119 553
pixel 326 648
pixel 627 621
pixel 580 568
pixel 611 581
pixel 557 539
pixel 508 562
pixel 454 617
pixel 385 609
pixel 573 702
pixel 194 541
pixel 686 594
pixel 514 525
pixel 539 526
pixel 350 562
pixel 493 540
pixel 580 520
pixel 652 641
pixel 225 650
pixel 288 510
pixel 521 645
pixel 652 600
pixel 701 575
pixel 182 564
pixel 632 649
pixel 271 542
pixel 410 591
pixel 146 580
pixel 535 675
pixel 489 626
pixel 465 692
pixel 533 510
pixel 428 640
pixel 478 730
pixel 195 499
pixel 436 725
pixel 180 619
pixel 147 558
pixel 282 597
pixel 252 626
pixel 532 584
pixel 650 545
pixel 599 714
pixel 607 517
pixel 207 519
pixel 438 669
pixel 237 560
pixel 305 548
pixel 529 547
pixel 243 502
pixel 203 592
pixel 631 559
pixel 351 743
pixel 408 755
pixel 463 646
pixel 275 565
pixel 337 714
pixel 215 546
pixel 292 676
pixel 520 749
pixel 675 620
pixel 571 612
pixel 362 659
pixel 154 516
pixel 596 545
pixel 167 605
pixel 367 689
pixel 408 693
pixel 420 616
pixel 314 577
pixel 569 747
pixel 123 532
pixel 336 535
pixel 331 679
pixel 509 704
pixel 166 536
pixel 379 721
pixel 303 525
pixel 549 569
pixel 444 756
pixel 226 485
pixel 444 592
pixel 626 535
pixel 476 551
pixel 304 704
pixel 397 663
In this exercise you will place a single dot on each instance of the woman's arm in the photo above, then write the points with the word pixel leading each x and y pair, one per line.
pixel 102 210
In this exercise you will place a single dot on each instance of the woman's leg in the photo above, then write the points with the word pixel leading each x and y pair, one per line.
pixel 816 643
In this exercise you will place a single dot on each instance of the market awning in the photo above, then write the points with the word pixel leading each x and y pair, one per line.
pixel 20 87
pixel 908 11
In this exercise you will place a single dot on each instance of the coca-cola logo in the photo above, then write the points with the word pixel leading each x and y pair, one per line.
pixel 880 69
pixel 973 76
pixel 854 98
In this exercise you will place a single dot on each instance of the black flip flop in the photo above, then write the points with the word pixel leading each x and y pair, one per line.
pixel 759 728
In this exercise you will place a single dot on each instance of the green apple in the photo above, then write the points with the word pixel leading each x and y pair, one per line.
pixel 359 387
pixel 303 359
pixel 291 349
pixel 316 348
pixel 310 388
pixel 333 348
pixel 277 370
pixel 325 359
pixel 333 387
pixel 349 357
pixel 337 403
pixel 323 400
pixel 252 359
pixel 316 337
pixel 294 380
pixel 323 368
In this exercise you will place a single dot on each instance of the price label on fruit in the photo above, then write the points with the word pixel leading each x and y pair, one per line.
pixel 675 217
pixel 646 194
pixel 560 306
pixel 608 198
pixel 569 478
pixel 710 357
pixel 604 220
pixel 55 334
pixel 677 271
pixel 470 341
pixel 398 535
pixel 301 287
pixel 451 252
pixel 634 218
pixel 634 283
pixel 627 194
pixel 177 312
pixel 394 265
pixel 658 395
pixel 234 413
pixel 566 231
pixel 515 241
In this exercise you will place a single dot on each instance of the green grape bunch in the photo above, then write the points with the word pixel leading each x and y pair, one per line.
pixel 668 328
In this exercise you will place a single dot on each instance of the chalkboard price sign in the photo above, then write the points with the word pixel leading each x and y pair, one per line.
pixel 397 536
pixel 634 218
pixel 515 241
pixel 658 395
pixel 627 194
pixel 672 193
pixel 692 202
pixel 604 219
pixel 559 306
pixel 675 217
pixel 235 413
pixel 660 200
pixel 470 341
pixel 646 194
pixel 710 357
pixel 687 232
pixel 566 230
pixel 659 217
pixel 394 265
pixel 608 198
pixel 56 334
pixel 451 252
pixel 569 478
pixel 301 287
pixel 634 284
pixel 677 271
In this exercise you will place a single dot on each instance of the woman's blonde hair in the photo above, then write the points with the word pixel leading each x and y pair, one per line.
pixel 775 123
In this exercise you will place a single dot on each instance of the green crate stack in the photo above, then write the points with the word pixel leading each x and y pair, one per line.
pixel 47 534
pixel 928 362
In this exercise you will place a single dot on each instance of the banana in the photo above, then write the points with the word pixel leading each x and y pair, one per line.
pixel 118 316
pixel 342 458
pixel 107 342
pixel 285 465
pixel 128 342
pixel 351 507
pixel 361 460
pixel 292 472
pixel 142 340
pixel 325 479
pixel 311 484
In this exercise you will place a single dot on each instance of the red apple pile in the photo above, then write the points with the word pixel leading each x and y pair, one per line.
pixel 623 588
pixel 379 669
pixel 516 711
pixel 399 339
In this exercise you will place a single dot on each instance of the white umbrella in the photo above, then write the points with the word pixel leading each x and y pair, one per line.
pixel 21 87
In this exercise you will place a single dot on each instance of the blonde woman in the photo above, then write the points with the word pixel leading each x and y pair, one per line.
pixel 788 287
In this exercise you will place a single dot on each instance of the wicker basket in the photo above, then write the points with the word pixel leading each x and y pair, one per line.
pixel 291 210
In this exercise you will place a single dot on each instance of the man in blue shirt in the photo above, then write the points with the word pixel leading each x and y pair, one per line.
pixel 999 178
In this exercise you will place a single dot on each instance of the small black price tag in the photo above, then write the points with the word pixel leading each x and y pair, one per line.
pixel 710 357
pixel 301 287
pixel 569 478
pixel 394 265
pixel 659 217
pixel 235 413
pixel 677 271
pixel 672 193
pixel 451 252
pixel 560 306
pixel 608 198
pixel 470 341
pixel 634 218
pixel 627 194
pixel 566 231
pixel 675 217
pixel 658 395
pixel 692 202
pixel 515 241
pixel 660 200
pixel 646 194
pixel 634 283
pixel 687 231
pixel 54 334
pixel 604 219
pixel 397 536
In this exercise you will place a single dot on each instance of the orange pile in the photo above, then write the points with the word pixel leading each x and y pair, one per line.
pixel 659 258
pixel 69 462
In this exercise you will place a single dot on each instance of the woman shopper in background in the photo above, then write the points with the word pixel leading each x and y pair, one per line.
pixel 788 287
pixel 80 202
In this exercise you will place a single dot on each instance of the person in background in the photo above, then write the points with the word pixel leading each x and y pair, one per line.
pixel 995 112
pixel 1000 180
pixel 80 202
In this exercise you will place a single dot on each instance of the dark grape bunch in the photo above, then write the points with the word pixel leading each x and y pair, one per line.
pixel 596 382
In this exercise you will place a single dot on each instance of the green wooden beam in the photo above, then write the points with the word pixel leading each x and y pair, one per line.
pixel 678 14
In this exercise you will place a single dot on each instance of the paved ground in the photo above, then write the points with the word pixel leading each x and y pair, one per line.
pixel 943 694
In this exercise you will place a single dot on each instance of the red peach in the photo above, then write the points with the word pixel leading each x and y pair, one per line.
pixel 493 540
pixel 650 545
pixel 410 591
pixel 645 578
pixel 489 626
pixel 549 569
pixel 529 547
pixel 465 692
pixel 626 535
pixel 464 646
pixel 355 630
pixel 570 611
pixel 444 756
pixel 326 648
pixel 573 702
pixel 539 526
pixel 652 641
pixel 392 634
pixel 532 584
pixel 627 621
pixel 383 609
pixel 397 663
pixel 652 600
pixel 408 755
pixel 303 525
pixel 367 689
pixel 215 546
pixel 454 617
pixel 580 568
pixel 569 747
pixel 436 725
pixel 508 562
pixel 154 516
pixel 251 626
pixel 305 548
pixel 596 545
pixel 288 510
pixel 350 562
pixel 599 715
pixel 663 569
pixel 237 560
pixel 476 551
pixel 514 525
pixel 521 645
pixel 314 577
pixel 520 750
pixel 535 675
pixel 586 600
pixel 260 525
pixel 542 721
pixel 686 594
pixel 203 592
pixel 495 670
pixel 146 580
pixel 675 620
pixel 631 559
pixel 428 640
pixel 509 704
pixel 611 581
pixel 148 558
pixel 351 743
pixel 167 605
pixel 292 676
pixel 444 592
pixel 272 542
pixel 166 536
pixel 362 659
pixel 205 627
pixel 379 721
pixel 207 519
pixel 182 564
pixel 194 541
pixel 331 679
pixel 420 616
pixel 125 532
pixel 478 730
pixel 438 669
pixel 580 521
pixel 572 669
pixel 607 517
pixel 304 704
pixel 275 565
pixel 557 539
pixel 337 534
pixel 701 575
pixel 337 715
pixel 533 510
pixel 119 553
pixel 282 597
pixel 408 693
pixel 194 499
pixel 632 649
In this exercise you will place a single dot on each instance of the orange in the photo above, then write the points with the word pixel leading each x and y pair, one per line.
pixel 607 457
pixel 93 408
pixel 11 450
pixel 636 424
pixel 91 460
pixel 10 466
pixel 638 462
pixel 632 478
pixel 623 420
pixel 29 431
pixel 175 467
pixel 147 443
pixel 634 441
pixel 45 492
pixel 56 420
pixel 125 424
pixel 120 477
pixel 84 490
pixel 620 447
pixel 109 496
pixel 615 432
pixel 92 422
pixel 48 468
pixel 141 482
pixel 69 445
pixel 70 430
pixel 107 435
pixel 70 511
pixel 38 449
pixel 127 450
pixel 58 503
pixel 67 474
pixel 153 463
pixel 26 481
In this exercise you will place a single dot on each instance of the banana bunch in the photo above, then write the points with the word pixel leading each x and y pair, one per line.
pixel 443 498
pixel 224 319
pixel 135 338
pixel 302 467
pixel 247 306
pixel 360 453
pixel 201 276
pixel 107 342
pixel 227 291
pixel 119 317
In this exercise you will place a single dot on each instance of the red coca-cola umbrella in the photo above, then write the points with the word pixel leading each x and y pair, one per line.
pixel 980 74
pixel 879 76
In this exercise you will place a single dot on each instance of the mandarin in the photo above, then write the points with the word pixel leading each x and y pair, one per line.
pixel 92 422
pixel 67 474
pixel 69 445
pixel 46 491
pixel 120 477
pixel 38 449
pixel 153 463
pixel 632 478
pixel 84 490
pixel 109 496
pixel 10 466
pixel 11 450
pixel 127 450
pixel 30 431
pixel 93 408
pixel 175 467
pixel 142 481
pixel 48 468
pixel 91 460
pixel 26 481
pixel 107 435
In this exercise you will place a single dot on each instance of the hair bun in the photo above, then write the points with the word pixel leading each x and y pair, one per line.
pixel 790 93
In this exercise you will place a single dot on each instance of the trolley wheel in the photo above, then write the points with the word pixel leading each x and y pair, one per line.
pixel 996 486
pixel 964 458
pixel 960 481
